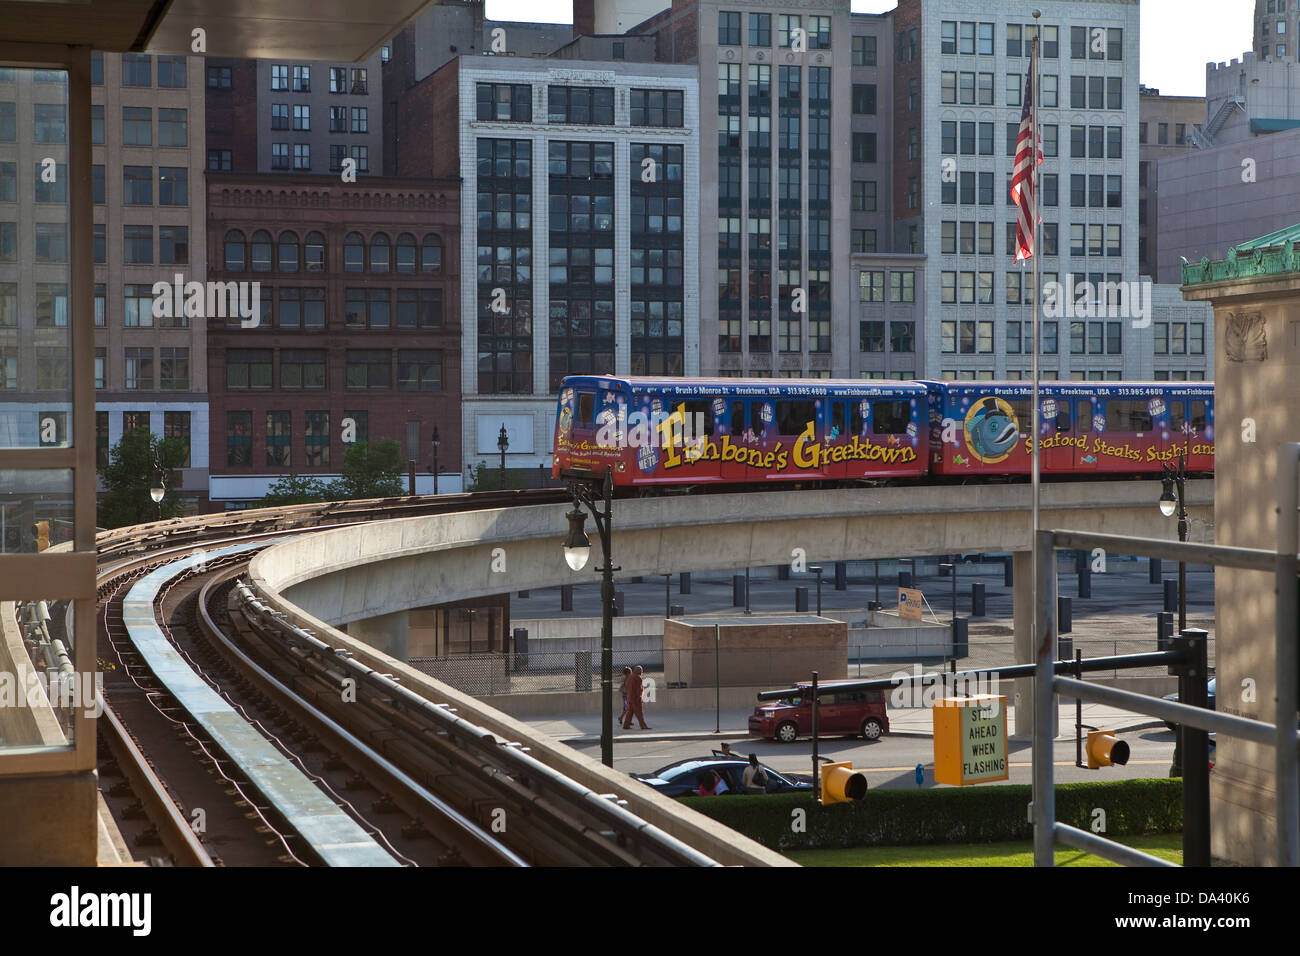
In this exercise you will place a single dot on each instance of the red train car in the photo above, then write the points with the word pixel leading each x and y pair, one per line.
pixel 1086 428
pixel 711 431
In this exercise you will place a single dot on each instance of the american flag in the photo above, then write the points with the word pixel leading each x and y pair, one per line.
pixel 1022 175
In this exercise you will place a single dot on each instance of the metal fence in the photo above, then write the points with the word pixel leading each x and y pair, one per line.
pixel 579 671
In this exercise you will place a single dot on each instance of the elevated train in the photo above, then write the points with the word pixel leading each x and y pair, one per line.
pixel 669 432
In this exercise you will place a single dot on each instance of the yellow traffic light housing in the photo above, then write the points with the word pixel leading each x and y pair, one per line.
pixel 1104 750
pixel 42 532
pixel 841 783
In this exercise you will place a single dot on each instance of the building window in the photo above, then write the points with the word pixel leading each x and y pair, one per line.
pixel 583 105
pixel 302 368
pixel 657 107
pixel 505 102
pixel 419 370
pixel 360 119
pixel 171 72
pixel 339 120
pixel 367 308
pixel 248 368
pixel 339 79
pixel 139 369
pixel 174 245
pixel 137 126
pixel 279 435
pixel 239 439
pixel 360 81
pixel 137 245
pixel 173 186
pixel 419 308
pixel 864 51
pixel 219 77
pixel 302 79
pixel 220 160
pixel 101 360
pixel 728 28
pixel 369 368
pixel 137 69
pixel 301 116
pixel 864 98
pixel 96 123
pixel 174 369
pixel 864 147
pixel 361 156
pixel 279 155
pixel 902 286
pixel 316 439
pixel 302 156
pixel 172 128
pixel 96 68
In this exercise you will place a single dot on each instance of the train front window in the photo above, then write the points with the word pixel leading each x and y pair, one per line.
pixel 793 417
pixel 586 408
pixel 1128 417
pixel 891 418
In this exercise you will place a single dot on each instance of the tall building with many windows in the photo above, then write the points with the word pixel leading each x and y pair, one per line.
pixel 357 331
pixel 580 182
pixel 147 131
pixel 775 175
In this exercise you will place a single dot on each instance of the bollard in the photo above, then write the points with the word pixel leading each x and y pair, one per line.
pixel 1064 617
pixel 1085 580
pixel 581 671
pixel 801 599
pixel 1171 595
pixel 977 599
pixel 1153 570
pixel 841 575
pixel 960 637
pixel 1008 569
pixel 684 583
pixel 1164 630
pixel 566 597
pixel 1064 648
pixel 676 610
pixel 521 647
pixel 737 590
pixel 620 604
pixel 904 579
pixel 783 572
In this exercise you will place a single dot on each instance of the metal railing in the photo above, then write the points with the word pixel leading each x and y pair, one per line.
pixel 1284 563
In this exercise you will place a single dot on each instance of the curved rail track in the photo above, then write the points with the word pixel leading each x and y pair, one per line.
pixel 411 781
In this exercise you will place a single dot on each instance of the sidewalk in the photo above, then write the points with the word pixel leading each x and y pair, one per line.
pixel 699 724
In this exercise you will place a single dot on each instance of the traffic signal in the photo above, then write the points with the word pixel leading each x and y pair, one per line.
pixel 41 531
pixel 1104 750
pixel 841 783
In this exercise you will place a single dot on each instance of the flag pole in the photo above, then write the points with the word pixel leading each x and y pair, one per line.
pixel 1036 436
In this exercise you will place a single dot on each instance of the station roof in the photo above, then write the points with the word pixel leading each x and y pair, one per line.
pixel 1274 254
pixel 336 30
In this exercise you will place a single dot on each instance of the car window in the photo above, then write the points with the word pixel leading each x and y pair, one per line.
pixel 690 768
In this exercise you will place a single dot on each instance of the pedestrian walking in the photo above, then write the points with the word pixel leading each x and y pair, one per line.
pixel 627 673
pixel 635 687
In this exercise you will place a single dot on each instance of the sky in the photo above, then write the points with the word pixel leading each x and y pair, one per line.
pixel 1178 36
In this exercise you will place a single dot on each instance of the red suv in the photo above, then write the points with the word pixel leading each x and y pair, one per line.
pixel 839 712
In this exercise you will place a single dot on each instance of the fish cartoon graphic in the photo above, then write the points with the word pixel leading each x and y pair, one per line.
pixel 1089 460
pixel 959 460
pixel 991 430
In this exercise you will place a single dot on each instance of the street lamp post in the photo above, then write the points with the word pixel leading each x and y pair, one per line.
pixel 436 443
pixel 158 490
pixel 595 492
pixel 503 442
pixel 1173 499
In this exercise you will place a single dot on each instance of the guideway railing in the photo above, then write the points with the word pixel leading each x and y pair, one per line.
pixel 1193 721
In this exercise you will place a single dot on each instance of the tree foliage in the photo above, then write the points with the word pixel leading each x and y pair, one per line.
pixel 371 471
pixel 295 489
pixel 131 471
pixel 484 477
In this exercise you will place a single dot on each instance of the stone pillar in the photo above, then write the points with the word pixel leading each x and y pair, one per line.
pixel 1021 697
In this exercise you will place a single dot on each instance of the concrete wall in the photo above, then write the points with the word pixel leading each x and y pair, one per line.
pixel 754 652
pixel 348 574
pixel 1258 377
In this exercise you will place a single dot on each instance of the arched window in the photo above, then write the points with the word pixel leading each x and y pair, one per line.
pixel 354 253
pixel 236 251
pixel 379 252
pixel 406 252
pixel 431 255
pixel 287 252
pixel 315 252
pixel 261 251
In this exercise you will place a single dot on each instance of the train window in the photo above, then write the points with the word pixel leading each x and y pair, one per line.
pixel 1176 419
pixel 1063 419
pixel 1128 417
pixel 737 417
pixel 837 417
pixel 793 417
pixel 858 419
pixel 700 417
pixel 1022 411
pixel 891 418
pixel 1085 416
pixel 1198 416
pixel 586 408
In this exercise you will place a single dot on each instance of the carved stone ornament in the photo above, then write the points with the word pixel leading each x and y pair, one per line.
pixel 1245 339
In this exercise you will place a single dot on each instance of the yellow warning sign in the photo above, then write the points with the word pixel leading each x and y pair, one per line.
pixel 910 603
pixel 970 740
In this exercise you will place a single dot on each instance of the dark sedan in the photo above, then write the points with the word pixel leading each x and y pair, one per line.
pixel 680 779
pixel 1209 694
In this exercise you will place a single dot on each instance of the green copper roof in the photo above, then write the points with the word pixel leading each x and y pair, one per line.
pixel 1272 125
pixel 1274 254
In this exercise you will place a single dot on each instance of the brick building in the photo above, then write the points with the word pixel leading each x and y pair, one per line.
pixel 358 331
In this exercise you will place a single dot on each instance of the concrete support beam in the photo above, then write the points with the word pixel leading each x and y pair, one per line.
pixel 50 820
pixel 388 633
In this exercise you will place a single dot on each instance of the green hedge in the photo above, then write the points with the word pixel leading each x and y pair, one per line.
pixel 983 814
